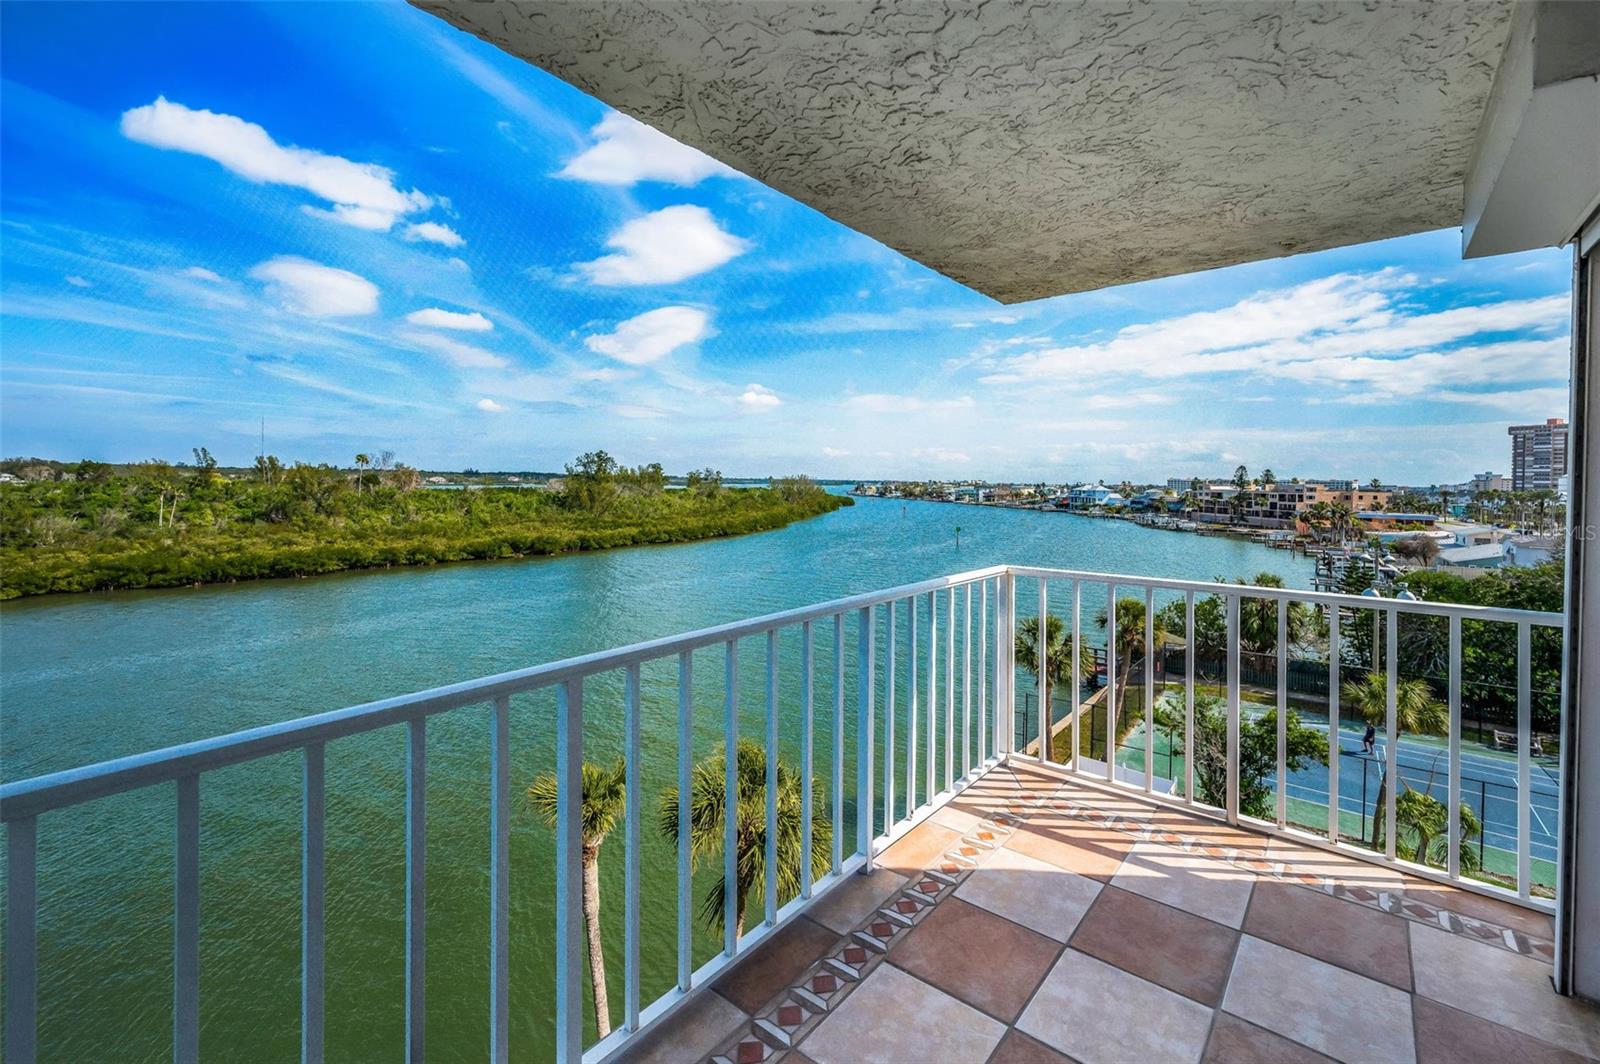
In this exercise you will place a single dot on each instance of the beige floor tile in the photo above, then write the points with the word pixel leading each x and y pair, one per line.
pixel 1342 868
pixel 1501 986
pixel 1094 1012
pixel 1033 893
pixel 850 903
pixel 1342 1014
pixel 894 1016
pixel 956 818
pixel 691 1033
pixel 1192 881
pixel 917 849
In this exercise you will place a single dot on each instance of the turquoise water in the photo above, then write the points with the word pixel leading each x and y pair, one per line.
pixel 87 678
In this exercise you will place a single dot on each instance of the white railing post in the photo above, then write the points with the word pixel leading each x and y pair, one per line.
pixel 1005 664
pixel 416 887
pixel 888 718
pixel 569 872
pixel 864 758
pixel 1076 650
pixel 1041 682
pixel 500 881
pixel 312 905
pixel 770 879
pixel 1453 784
pixel 1283 712
pixel 838 742
pixel 983 672
pixel 966 683
pixel 633 815
pixel 186 927
pixel 1110 700
pixel 1149 688
pixel 1392 760
pixel 685 851
pixel 949 688
pixel 730 798
pixel 1188 697
pixel 912 706
pixel 807 740
pixel 930 768
pixel 1334 754
pixel 22 940
pixel 1524 759
pixel 1232 798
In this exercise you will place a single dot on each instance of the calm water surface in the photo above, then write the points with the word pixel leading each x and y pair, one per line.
pixel 86 678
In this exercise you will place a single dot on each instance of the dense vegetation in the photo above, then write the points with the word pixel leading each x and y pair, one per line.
pixel 158 525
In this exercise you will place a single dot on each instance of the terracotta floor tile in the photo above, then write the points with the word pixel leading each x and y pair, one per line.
pixel 986 961
pixel 894 1016
pixel 1236 1041
pixel 1358 937
pixel 1018 1048
pixel 1068 842
pixel 1336 1012
pixel 1030 892
pixel 1205 885
pixel 957 818
pixel 775 964
pixel 917 850
pixel 699 1027
pixel 1167 946
pixel 1449 1036
pixel 850 903
pixel 1094 1012
pixel 1493 910
pixel 1505 987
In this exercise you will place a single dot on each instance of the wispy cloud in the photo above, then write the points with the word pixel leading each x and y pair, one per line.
pixel 315 290
pixel 439 318
pixel 653 335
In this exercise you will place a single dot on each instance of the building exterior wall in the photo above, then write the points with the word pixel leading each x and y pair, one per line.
pixel 1538 455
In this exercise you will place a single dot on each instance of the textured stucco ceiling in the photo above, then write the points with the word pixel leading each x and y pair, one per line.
pixel 1028 150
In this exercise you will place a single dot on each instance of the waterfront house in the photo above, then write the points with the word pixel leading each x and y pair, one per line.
pixel 1089 496
pixel 973 901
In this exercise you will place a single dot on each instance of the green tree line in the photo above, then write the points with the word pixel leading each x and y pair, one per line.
pixel 157 525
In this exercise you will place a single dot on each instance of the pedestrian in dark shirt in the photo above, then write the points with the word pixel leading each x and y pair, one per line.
pixel 1369 741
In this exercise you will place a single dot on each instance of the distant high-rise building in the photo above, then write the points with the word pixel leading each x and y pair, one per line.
pixel 1538 455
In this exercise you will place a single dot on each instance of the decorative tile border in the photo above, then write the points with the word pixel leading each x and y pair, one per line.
pixel 1395 902
pixel 795 1012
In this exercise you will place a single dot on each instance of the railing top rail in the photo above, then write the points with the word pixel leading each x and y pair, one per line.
pixel 30 797
pixel 1330 598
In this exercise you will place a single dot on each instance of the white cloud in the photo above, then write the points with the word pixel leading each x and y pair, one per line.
pixel 626 151
pixel 315 290
pixel 361 194
pixel 434 233
pixel 200 273
pixel 438 318
pixel 653 335
pixel 78 282
pixel 489 406
pixel 668 245
pixel 756 397
pixel 465 356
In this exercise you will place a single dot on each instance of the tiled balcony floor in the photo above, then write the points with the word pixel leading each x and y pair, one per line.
pixel 1036 919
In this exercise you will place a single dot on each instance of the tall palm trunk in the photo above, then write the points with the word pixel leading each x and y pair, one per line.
pixel 1378 816
pixel 1047 724
pixel 591 923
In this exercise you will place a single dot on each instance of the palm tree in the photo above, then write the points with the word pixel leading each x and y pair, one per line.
pixel 1317 517
pixel 363 460
pixel 604 801
pixel 1129 640
pixel 1424 815
pixel 1416 710
pixel 708 830
pixel 1058 668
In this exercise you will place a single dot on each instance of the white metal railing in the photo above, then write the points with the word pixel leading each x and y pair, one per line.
pixel 983 714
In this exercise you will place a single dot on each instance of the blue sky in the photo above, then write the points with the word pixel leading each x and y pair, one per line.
pixel 375 232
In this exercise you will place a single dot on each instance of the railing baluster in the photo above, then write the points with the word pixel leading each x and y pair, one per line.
pixel 1077 668
pixel 1333 724
pixel 1149 688
pixel 1110 700
pixel 1524 759
pixel 949 687
pixel 1005 664
pixel 966 683
pixel 838 742
pixel 931 787
pixel 633 816
pixel 569 871
pixel 416 886
pixel 864 757
pixel 983 670
pixel 1041 680
pixel 1283 711
pixel 186 926
pixel 1453 779
pixel 888 719
pixel 500 881
pixel 22 940
pixel 1188 697
pixel 685 852
pixel 313 896
pixel 1392 734
pixel 730 798
pixel 807 739
pixel 770 879
pixel 1232 793
pixel 912 694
